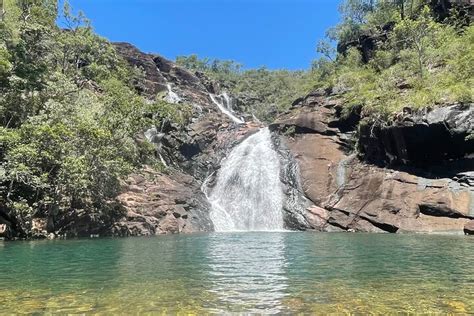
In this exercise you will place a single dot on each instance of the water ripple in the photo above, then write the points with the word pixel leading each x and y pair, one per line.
pixel 271 273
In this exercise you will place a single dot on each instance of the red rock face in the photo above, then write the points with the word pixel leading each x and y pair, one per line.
pixel 358 196
pixel 159 203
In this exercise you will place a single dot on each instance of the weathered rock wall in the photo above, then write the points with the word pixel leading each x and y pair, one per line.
pixel 424 183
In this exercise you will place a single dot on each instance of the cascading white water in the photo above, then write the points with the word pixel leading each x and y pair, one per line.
pixel 155 137
pixel 248 194
pixel 224 108
pixel 172 97
pixel 228 101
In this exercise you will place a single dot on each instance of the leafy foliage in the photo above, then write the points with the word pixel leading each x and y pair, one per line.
pixel 422 63
pixel 71 121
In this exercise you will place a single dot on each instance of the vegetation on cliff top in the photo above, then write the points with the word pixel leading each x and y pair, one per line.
pixel 264 92
pixel 419 59
pixel 71 122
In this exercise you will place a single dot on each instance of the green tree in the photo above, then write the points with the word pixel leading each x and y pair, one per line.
pixel 71 122
pixel 417 34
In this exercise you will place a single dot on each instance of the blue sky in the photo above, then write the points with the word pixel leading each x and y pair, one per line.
pixel 272 33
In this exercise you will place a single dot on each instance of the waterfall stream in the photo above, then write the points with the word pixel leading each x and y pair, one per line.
pixel 225 107
pixel 248 194
pixel 172 97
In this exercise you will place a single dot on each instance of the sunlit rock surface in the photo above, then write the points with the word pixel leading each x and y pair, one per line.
pixel 425 186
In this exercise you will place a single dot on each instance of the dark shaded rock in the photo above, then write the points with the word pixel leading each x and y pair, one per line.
pixel 443 9
pixel 155 82
pixel 189 150
pixel 469 228
pixel 366 43
pixel 163 64
pixel 441 211
pixel 421 138
pixel 81 223
pixel 346 122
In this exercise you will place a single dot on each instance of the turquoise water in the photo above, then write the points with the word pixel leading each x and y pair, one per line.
pixel 242 272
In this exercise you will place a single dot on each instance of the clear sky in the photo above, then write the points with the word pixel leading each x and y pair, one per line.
pixel 272 33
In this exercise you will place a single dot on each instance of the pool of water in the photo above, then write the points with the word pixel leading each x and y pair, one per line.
pixel 242 272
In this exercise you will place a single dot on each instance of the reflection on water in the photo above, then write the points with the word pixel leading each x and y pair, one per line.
pixel 240 273
pixel 250 274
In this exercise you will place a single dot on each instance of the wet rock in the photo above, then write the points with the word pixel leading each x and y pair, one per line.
pixel 295 201
pixel 469 228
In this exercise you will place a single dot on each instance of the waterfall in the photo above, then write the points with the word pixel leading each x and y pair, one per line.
pixel 172 97
pixel 248 194
pixel 226 108
pixel 228 101
pixel 155 137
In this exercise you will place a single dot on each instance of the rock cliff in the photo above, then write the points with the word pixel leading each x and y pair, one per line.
pixel 416 175
pixel 340 173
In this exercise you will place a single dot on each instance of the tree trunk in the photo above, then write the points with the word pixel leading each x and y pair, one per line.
pixel 401 4
pixel 420 60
